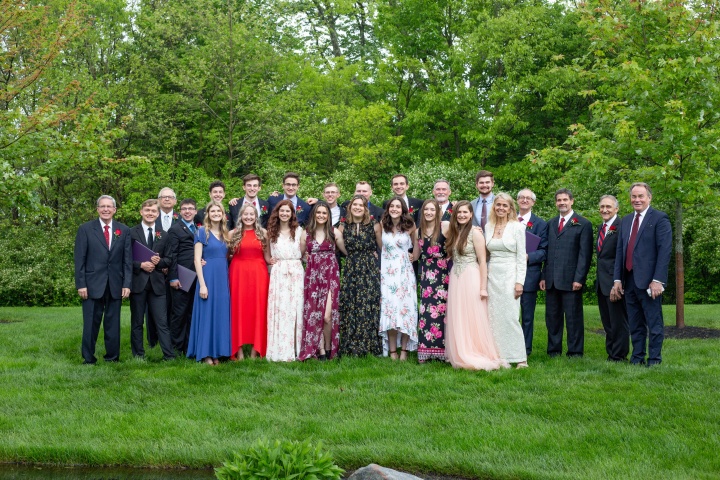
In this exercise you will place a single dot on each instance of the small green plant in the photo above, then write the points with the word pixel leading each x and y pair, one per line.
pixel 286 459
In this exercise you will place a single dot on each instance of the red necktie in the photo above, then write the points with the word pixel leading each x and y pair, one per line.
pixel 107 235
pixel 631 243
pixel 601 237
pixel 562 224
pixel 254 204
pixel 520 219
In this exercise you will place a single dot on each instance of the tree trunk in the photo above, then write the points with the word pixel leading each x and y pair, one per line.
pixel 679 269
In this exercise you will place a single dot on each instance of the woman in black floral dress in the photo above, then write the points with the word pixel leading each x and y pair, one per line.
pixel 433 284
pixel 360 286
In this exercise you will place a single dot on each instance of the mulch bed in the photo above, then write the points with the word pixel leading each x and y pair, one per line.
pixel 687 333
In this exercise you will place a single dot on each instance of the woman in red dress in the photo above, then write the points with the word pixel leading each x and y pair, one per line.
pixel 249 281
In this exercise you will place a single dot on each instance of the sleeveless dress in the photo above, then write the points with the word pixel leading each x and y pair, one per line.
pixel 285 300
pixel 434 279
pixel 249 282
pixel 322 275
pixel 398 290
pixel 360 293
pixel 210 323
pixel 469 343
pixel 507 267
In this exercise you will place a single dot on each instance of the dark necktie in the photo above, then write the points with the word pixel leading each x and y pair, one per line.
pixel 601 237
pixel 192 228
pixel 150 238
pixel 631 243
pixel 520 219
pixel 107 235
pixel 562 224
pixel 483 214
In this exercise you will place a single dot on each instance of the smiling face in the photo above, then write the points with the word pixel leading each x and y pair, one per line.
pixel 502 208
pixel 321 215
pixel 399 186
pixel 357 209
pixel 215 214
pixel 106 210
pixel 251 189
pixel 331 194
pixel 395 209
pixel 284 213
pixel 188 212
pixel 249 217
pixel 525 201
pixel 167 200
pixel 429 212
pixel 640 198
pixel 607 209
pixel 149 214
pixel 217 194
pixel 441 192
pixel 463 215
pixel 564 203
pixel 485 185
pixel 290 186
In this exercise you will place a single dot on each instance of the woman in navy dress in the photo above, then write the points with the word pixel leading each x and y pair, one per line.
pixel 210 324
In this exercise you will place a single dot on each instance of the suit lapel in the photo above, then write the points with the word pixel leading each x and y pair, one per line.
pixel 646 221
pixel 100 235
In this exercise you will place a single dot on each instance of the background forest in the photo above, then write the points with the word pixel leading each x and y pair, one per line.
pixel 123 97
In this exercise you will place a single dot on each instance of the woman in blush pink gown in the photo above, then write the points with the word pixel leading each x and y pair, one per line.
pixel 469 342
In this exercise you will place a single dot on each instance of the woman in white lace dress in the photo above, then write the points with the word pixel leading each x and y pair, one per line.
pixel 505 238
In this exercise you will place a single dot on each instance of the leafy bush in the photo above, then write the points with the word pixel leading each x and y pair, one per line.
pixel 287 459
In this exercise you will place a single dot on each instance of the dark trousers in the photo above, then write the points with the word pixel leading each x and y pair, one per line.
pixel 156 306
pixel 105 310
pixel 615 322
pixel 150 325
pixel 645 320
pixel 565 308
pixel 182 305
pixel 528 300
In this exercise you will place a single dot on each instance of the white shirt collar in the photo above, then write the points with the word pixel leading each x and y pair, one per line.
pixel 568 216
pixel 525 217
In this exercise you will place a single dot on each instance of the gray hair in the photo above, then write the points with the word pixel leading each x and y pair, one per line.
pixel 641 184
pixel 106 197
pixel 532 194
pixel 611 197
pixel 166 188
pixel 441 180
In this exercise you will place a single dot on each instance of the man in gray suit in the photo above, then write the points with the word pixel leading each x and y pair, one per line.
pixel 484 182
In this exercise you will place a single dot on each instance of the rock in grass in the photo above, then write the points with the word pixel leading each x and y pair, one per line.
pixel 376 472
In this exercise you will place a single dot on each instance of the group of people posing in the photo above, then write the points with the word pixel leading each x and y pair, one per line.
pixel 294 280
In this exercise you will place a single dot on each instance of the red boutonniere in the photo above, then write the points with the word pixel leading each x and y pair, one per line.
pixel 158 235
pixel 574 221
pixel 449 211
pixel 199 225
pixel 529 225
pixel 611 230
pixel 372 217
pixel 412 210
pixel 263 209
pixel 175 216
pixel 117 233
pixel 342 219
pixel 299 209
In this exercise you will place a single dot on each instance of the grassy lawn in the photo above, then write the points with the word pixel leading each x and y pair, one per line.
pixel 560 418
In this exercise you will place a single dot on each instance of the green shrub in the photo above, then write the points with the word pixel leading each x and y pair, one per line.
pixel 287 459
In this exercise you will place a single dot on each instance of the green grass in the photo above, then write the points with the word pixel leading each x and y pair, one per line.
pixel 560 418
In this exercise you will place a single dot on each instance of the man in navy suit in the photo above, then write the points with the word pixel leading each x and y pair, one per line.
pixel 570 244
pixel 291 183
pixel 612 309
pixel 641 272
pixel 400 185
pixel 251 185
pixel 148 289
pixel 441 192
pixel 528 300
pixel 484 182
pixel 103 274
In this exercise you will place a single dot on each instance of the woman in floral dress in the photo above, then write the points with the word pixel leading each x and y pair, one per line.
pixel 434 281
pixel 360 287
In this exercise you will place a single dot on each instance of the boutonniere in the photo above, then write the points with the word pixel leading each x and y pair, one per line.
pixel 342 219
pixel 175 216
pixel 412 210
pixel 299 209
pixel 372 217
pixel 158 235
pixel 529 225
pixel 449 210
pixel 199 225
pixel 574 221
pixel 263 209
pixel 611 230
pixel 117 233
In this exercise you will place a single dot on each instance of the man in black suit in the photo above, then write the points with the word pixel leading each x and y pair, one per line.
pixel 217 193
pixel 291 183
pixel 363 188
pixel 612 309
pixel 528 299
pixel 641 272
pixel 181 251
pixel 400 185
pixel 251 185
pixel 441 193
pixel 148 283
pixel 570 244
pixel 103 273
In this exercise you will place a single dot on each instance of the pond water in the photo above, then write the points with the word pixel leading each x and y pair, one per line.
pixel 34 472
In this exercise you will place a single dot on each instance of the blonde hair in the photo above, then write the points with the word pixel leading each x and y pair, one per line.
pixel 512 214
pixel 239 231
pixel 224 233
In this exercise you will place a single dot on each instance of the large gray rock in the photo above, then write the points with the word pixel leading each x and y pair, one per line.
pixel 376 472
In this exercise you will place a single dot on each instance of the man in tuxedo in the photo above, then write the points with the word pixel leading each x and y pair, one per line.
pixel 400 185
pixel 217 193
pixel 181 251
pixel 484 182
pixel 441 193
pixel 103 274
pixel 641 272
pixel 612 309
pixel 363 188
pixel 291 183
pixel 148 283
pixel 570 244
pixel 528 299
pixel 252 186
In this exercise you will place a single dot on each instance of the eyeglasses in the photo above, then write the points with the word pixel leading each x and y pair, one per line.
pixel 167 197
pixel 187 209
pixel 523 197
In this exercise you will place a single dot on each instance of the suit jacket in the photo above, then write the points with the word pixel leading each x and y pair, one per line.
pixel 606 257
pixel 140 277
pixel 158 223
pixel 569 253
pixel 477 204
pixel 446 216
pixel 415 207
pixel 537 258
pixel 653 247
pixel 180 249
pixel 96 266
pixel 235 213
pixel 302 210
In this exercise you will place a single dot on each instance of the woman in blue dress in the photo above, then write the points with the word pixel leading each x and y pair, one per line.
pixel 210 324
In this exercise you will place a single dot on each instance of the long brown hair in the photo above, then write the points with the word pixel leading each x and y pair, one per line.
pixel 312 225
pixel 273 226
pixel 424 224
pixel 457 234
pixel 406 221
pixel 237 236
pixel 366 215
pixel 224 234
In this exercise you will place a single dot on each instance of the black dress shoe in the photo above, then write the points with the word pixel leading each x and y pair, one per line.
pixel 322 357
